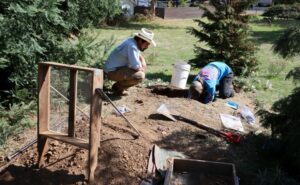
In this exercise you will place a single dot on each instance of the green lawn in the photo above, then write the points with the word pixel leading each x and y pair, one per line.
pixel 174 44
pixel 272 68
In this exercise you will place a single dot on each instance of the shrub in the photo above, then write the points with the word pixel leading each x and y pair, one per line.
pixel 87 50
pixel 16 119
pixel 271 176
pixel 146 16
pixel 95 12
pixel 285 125
pixel 183 3
pixel 286 1
pixel 288 44
pixel 284 11
pixel 28 31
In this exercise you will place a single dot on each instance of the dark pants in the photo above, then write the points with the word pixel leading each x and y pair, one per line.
pixel 226 86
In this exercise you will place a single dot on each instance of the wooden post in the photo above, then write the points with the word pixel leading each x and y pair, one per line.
pixel 43 110
pixel 72 102
pixel 95 123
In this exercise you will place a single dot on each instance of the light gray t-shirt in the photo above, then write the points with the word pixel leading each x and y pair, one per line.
pixel 125 55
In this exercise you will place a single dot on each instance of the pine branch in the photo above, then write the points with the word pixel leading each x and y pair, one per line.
pixel 288 44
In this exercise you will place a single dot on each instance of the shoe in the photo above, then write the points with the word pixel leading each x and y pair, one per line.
pixel 121 93
pixel 125 93
pixel 118 92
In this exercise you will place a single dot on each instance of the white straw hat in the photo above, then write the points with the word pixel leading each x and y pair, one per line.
pixel 146 35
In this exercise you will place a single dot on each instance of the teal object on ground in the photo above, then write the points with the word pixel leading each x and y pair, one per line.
pixel 232 104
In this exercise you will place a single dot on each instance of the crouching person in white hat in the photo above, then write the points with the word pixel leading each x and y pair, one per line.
pixel 125 64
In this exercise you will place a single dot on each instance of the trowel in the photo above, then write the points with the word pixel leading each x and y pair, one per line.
pixel 162 109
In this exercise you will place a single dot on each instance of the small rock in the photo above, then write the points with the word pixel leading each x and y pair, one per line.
pixel 31 155
pixel 125 157
pixel 160 128
pixel 55 143
pixel 164 133
pixel 139 101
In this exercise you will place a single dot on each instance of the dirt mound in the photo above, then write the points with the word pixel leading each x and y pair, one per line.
pixel 123 159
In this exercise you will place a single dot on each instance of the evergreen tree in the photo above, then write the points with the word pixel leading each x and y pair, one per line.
pixel 226 34
pixel 284 118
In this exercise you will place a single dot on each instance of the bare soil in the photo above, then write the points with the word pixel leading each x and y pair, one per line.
pixel 123 159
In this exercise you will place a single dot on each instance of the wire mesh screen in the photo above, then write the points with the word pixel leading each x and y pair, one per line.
pixel 59 102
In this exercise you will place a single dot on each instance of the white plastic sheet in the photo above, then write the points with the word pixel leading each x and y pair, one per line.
pixel 232 122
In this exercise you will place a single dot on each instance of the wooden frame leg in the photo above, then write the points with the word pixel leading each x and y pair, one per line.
pixel 92 167
pixel 95 124
pixel 42 148
pixel 94 137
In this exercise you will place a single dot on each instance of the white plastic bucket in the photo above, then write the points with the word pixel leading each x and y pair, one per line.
pixel 180 75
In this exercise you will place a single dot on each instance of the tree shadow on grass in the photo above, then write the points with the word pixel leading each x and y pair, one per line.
pixel 277 22
pixel 271 36
pixel 15 175
pixel 138 26
pixel 263 37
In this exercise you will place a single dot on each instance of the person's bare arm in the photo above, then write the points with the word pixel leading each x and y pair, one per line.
pixel 143 62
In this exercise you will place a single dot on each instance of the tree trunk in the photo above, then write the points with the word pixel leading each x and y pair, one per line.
pixel 152 10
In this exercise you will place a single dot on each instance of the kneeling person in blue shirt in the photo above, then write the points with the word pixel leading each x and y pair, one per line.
pixel 214 74
pixel 125 64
